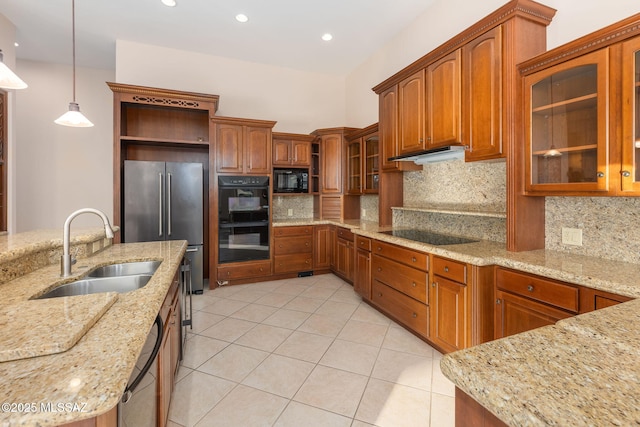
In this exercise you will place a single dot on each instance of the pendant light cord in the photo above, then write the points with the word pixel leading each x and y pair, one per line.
pixel 73 44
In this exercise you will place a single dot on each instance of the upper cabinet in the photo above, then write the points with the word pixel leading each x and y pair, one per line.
pixel 363 161
pixel 465 91
pixel 242 146
pixel 292 150
pixel 332 158
pixel 582 116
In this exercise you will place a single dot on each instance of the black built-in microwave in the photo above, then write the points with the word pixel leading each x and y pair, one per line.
pixel 290 180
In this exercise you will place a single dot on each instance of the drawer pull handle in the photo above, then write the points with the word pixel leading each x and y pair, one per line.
pixel 306 243
pixel 379 294
pixel 530 288
pixel 415 315
pixel 498 301
pixel 379 268
pixel 413 284
pixel 433 284
pixel 413 259
pixel 446 269
pixel 626 174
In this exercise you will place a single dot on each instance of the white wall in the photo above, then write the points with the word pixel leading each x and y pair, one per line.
pixel 60 169
pixel 445 19
pixel 299 101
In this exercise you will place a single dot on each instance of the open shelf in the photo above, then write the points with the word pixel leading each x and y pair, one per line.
pixel 568 149
pixel 568 105
pixel 143 139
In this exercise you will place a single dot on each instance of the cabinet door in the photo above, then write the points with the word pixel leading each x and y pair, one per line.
pixel 281 152
pixel 443 101
pixel 411 92
pixel 229 148
pixel 354 167
pixel 257 150
pixel 566 115
pixel 388 127
pixel 482 94
pixel 322 248
pixel 629 170
pixel 165 383
pixel 515 314
pixel 300 153
pixel 362 274
pixel 344 259
pixel 449 319
pixel 331 152
pixel 371 162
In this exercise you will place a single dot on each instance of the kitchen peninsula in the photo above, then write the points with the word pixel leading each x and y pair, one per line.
pixel 92 374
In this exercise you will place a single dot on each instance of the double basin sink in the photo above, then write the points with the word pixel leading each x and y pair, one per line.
pixel 121 278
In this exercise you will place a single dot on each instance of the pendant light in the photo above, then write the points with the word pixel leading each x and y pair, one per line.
pixel 9 79
pixel 74 117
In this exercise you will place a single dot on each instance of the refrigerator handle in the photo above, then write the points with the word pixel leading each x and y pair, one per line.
pixel 160 205
pixel 169 204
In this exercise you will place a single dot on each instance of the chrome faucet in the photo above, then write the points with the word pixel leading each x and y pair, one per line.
pixel 66 262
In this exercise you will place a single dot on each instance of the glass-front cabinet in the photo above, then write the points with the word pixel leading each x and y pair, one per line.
pixel 371 164
pixel 354 166
pixel 363 161
pixel 629 170
pixel 566 122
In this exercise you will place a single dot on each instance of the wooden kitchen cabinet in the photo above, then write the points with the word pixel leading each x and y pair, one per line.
pixel 450 304
pixel 292 249
pixel 566 119
pixel 443 101
pixel 345 253
pixel 399 285
pixel 411 109
pixel 525 301
pixel 169 353
pixel 630 143
pixel 293 150
pixel 363 161
pixel 322 246
pixel 362 273
pixel 388 128
pixel 243 146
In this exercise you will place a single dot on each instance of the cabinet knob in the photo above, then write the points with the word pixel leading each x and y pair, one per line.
pixel 379 249
pixel 379 268
pixel 379 294
pixel 433 284
pixel 600 174
pixel 413 284
pixel 626 174
pixel 498 301
pixel 446 269
pixel 530 288
pixel 415 315
pixel 421 140
pixel 414 259
pixel 306 243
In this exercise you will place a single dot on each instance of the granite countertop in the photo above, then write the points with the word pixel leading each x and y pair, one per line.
pixel 94 372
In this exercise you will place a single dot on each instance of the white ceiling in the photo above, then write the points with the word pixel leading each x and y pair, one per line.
pixel 279 32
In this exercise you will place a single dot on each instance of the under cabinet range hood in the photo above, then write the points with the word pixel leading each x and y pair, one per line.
pixel 441 154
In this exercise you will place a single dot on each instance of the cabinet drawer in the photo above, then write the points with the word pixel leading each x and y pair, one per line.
pixel 344 233
pixel 244 270
pixel 406 310
pixel 410 281
pixel 363 243
pixel 303 230
pixel 402 255
pixel 539 289
pixel 292 263
pixel 450 269
pixel 293 245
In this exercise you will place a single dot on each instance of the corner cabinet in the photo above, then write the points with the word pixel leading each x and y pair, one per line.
pixel 242 146
pixel 582 115
pixel 363 161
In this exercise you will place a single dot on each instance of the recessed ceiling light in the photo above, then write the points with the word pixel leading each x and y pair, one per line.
pixel 16 44
pixel 241 17
pixel 326 37
pixel 170 3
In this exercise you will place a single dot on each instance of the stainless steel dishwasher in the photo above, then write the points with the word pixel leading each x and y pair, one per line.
pixel 139 404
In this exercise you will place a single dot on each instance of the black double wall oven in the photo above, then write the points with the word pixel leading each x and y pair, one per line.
pixel 243 218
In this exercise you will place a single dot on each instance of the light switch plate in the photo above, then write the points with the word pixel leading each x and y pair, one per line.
pixel 289 212
pixel 572 236
pixel 364 213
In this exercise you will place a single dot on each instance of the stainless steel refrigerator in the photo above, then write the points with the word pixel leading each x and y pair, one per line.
pixel 164 201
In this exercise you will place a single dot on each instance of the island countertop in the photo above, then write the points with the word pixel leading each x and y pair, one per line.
pixel 92 374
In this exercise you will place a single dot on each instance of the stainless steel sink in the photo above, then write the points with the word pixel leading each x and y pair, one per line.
pixel 126 269
pixel 94 285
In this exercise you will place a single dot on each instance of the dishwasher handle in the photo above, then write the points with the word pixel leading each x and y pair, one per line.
pixel 128 392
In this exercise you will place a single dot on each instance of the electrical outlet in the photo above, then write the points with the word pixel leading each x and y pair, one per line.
pixel 572 236
pixel 289 212
pixel 364 213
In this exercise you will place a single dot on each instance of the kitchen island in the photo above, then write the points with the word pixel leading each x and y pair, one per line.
pixel 88 379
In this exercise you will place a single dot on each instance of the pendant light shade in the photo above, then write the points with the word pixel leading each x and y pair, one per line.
pixel 9 79
pixel 73 117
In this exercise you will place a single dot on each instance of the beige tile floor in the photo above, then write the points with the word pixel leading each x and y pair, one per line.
pixel 305 352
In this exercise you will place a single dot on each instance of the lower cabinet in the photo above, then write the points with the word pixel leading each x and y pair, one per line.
pixel 344 258
pixel 169 353
pixel 292 249
pixel 362 273
pixel 244 270
pixel 322 248
pixel 399 285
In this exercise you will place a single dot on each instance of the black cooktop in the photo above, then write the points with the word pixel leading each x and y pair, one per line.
pixel 428 237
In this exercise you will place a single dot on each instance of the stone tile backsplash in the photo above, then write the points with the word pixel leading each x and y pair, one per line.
pixel 609 226
pixel 301 207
